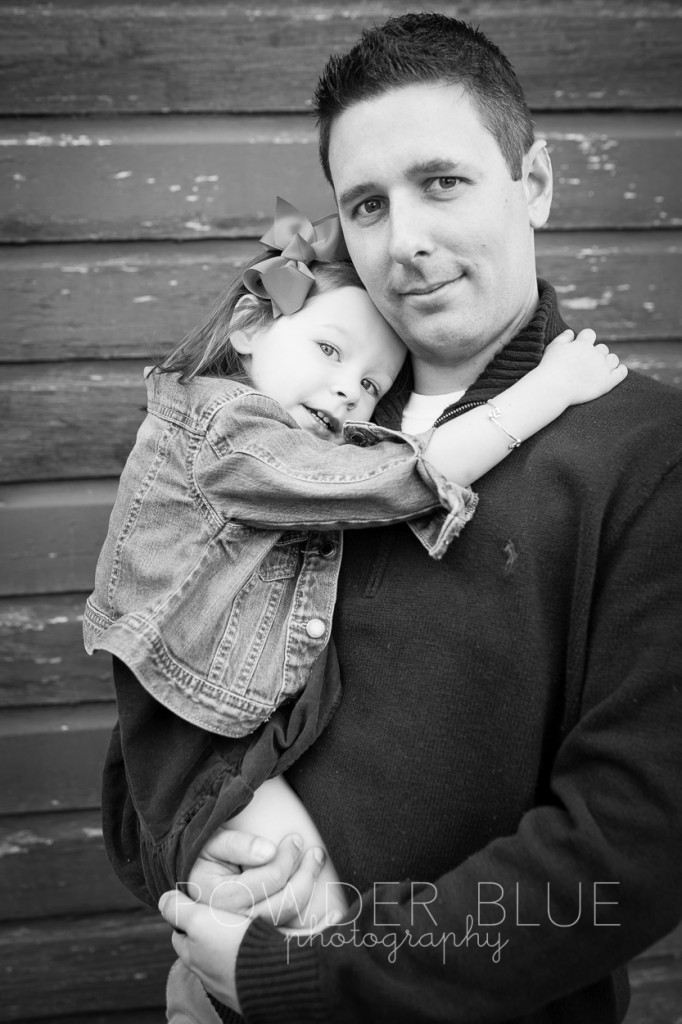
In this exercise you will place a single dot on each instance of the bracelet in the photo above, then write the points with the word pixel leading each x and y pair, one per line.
pixel 494 418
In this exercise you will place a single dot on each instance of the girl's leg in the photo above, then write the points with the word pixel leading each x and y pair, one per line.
pixel 186 999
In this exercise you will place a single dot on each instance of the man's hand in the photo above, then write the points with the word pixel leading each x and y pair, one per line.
pixel 207 940
pixel 245 874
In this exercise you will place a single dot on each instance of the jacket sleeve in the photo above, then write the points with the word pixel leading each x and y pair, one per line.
pixel 501 934
pixel 258 467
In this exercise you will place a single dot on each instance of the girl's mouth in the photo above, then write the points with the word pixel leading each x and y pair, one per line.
pixel 323 420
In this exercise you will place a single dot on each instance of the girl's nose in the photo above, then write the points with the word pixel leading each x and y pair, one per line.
pixel 350 394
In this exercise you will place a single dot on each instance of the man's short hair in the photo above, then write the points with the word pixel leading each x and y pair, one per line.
pixel 428 48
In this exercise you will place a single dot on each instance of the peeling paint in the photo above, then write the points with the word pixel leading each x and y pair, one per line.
pixel 21 842
pixel 588 301
pixel 47 661
pixel 196 225
pixel 205 177
pixel 582 303
pixel 92 833
pixel 145 298
pixel 62 140
pixel 120 175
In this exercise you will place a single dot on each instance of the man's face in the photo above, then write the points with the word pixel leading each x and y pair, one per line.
pixel 438 231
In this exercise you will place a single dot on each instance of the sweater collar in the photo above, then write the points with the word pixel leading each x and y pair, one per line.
pixel 522 354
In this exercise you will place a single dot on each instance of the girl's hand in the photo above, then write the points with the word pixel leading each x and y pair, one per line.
pixel 579 368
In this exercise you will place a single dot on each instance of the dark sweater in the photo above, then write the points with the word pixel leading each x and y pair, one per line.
pixel 510 720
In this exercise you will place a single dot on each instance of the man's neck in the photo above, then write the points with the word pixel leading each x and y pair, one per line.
pixel 432 378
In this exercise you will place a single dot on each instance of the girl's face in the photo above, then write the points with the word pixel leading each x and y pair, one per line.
pixel 330 362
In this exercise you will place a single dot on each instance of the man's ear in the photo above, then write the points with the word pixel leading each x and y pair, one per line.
pixel 537 181
pixel 241 339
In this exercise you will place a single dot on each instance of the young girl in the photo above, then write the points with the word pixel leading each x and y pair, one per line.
pixel 216 584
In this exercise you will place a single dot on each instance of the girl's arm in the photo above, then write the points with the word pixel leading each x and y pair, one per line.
pixel 570 372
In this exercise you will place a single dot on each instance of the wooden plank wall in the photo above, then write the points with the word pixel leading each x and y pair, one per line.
pixel 141 145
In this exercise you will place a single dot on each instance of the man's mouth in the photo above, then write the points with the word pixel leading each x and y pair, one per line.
pixel 428 288
pixel 323 421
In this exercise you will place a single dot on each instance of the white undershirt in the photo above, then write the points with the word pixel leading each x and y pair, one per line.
pixel 422 411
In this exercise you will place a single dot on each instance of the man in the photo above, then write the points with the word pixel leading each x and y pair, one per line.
pixel 501 782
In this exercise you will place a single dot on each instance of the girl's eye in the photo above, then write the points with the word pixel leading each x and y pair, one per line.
pixel 370 387
pixel 329 350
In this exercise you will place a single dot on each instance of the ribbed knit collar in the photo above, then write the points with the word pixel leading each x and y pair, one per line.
pixel 523 352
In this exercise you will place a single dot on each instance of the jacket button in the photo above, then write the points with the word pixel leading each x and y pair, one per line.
pixel 327 549
pixel 315 628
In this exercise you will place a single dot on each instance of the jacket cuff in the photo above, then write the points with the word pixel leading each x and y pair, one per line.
pixel 278 979
pixel 437 529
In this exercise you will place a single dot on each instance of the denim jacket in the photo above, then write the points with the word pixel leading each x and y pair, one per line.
pixel 216 583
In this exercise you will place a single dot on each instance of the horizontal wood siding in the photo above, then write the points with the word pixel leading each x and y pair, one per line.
pixel 141 148
pixel 147 295
pixel 69 57
pixel 216 177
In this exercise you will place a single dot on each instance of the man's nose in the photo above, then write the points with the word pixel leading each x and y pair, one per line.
pixel 408 232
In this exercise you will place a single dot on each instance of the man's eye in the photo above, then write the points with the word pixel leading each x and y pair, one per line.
pixel 368 207
pixel 370 387
pixel 329 350
pixel 443 184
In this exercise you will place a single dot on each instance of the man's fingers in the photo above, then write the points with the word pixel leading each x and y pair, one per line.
pixel 269 878
pixel 240 848
pixel 177 909
pixel 288 905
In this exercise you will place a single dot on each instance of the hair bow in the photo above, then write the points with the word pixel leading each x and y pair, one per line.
pixel 286 279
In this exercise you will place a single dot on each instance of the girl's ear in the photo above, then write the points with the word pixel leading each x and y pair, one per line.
pixel 242 338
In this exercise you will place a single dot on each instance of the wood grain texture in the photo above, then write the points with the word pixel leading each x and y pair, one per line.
pixel 154 1015
pixel 42 658
pixel 194 177
pixel 119 301
pixel 52 536
pixel 51 758
pixel 66 56
pixel 69 421
pixel 656 992
pixel 52 864
pixel 84 965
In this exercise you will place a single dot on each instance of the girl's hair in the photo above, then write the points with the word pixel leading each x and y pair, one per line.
pixel 207 349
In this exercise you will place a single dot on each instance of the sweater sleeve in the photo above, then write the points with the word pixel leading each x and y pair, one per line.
pixel 590 878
